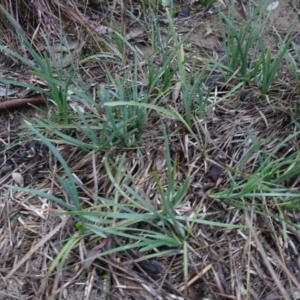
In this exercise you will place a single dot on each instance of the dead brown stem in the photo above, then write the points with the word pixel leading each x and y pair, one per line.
pixel 16 103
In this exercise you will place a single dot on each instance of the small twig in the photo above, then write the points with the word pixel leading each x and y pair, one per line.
pixel 182 286
pixel 16 103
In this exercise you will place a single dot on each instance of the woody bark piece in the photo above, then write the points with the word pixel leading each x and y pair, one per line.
pixel 16 103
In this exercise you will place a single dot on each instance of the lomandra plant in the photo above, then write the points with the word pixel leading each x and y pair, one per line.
pixel 109 126
pixel 125 121
pixel 241 44
pixel 189 95
pixel 58 89
pixel 270 65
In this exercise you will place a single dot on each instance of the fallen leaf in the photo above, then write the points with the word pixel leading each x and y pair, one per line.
pixel 92 254
pixel 153 268
pixel 176 91
pixel 103 30
pixel 134 33
pixel 18 179
pixel 214 172
pixel 160 160
pixel 208 30
pixel 75 107
pixel 273 5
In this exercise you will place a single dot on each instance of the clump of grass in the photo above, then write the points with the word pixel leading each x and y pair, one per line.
pixel 245 53
pixel 41 67
pixel 270 66
pixel 240 42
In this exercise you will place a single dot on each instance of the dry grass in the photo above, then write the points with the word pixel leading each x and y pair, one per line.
pixel 256 258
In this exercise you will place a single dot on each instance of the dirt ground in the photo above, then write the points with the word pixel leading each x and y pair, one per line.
pixel 31 236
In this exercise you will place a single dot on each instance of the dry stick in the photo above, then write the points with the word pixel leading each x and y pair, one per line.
pixel 204 271
pixel 16 103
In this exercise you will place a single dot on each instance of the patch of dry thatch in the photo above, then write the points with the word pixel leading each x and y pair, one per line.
pixel 54 18
pixel 224 263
